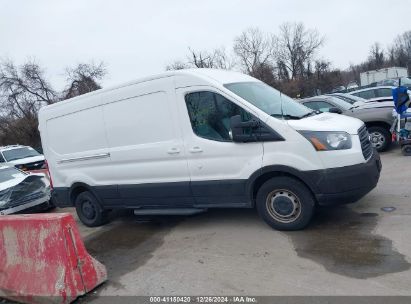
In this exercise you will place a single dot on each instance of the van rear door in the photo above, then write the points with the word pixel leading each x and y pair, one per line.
pixel 219 168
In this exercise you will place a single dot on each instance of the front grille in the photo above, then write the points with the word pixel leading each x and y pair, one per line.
pixel 29 190
pixel 366 145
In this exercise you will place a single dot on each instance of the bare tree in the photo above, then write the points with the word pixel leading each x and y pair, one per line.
pixel 397 54
pixel 391 55
pixel 296 47
pixel 402 50
pixel 201 59
pixel 222 60
pixel 24 89
pixel 216 59
pixel 266 73
pixel 321 68
pixel 177 65
pixel 376 59
pixel 288 60
pixel 84 78
pixel 254 49
pixel 19 131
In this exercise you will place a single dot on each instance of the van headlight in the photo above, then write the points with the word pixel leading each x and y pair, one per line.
pixel 326 141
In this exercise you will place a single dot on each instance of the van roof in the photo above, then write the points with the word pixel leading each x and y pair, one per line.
pixel 221 76
pixel 214 75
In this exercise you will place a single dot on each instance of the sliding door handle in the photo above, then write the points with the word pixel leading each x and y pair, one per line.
pixel 196 149
pixel 173 151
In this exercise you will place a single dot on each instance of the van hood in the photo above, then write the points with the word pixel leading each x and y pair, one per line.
pixel 27 160
pixel 327 122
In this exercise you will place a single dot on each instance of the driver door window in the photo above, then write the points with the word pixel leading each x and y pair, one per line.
pixel 210 115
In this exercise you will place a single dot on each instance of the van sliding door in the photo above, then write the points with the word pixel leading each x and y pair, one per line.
pixel 146 147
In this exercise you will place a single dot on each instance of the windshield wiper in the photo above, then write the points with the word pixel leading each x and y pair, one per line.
pixel 294 116
pixel 309 114
pixel 286 116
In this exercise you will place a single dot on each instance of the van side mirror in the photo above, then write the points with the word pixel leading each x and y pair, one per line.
pixel 251 131
pixel 335 110
pixel 242 131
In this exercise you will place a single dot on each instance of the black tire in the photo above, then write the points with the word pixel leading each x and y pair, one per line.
pixel 285 203
pixel 89 210
pixel 406 150
pixel 380 138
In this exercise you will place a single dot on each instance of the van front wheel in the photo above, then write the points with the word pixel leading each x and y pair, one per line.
pixel 285 203
pixel 89 210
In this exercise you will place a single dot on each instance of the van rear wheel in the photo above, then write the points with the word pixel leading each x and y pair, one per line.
pixel 89 210
pixel 285 203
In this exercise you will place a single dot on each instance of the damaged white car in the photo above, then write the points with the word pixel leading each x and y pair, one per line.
pixel 20 190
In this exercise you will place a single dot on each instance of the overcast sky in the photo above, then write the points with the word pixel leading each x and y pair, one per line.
pixel 139 38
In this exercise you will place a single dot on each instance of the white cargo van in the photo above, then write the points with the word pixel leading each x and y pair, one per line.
pixel 185 141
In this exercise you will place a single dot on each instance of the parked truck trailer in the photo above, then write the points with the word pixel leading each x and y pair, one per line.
pixel 373 76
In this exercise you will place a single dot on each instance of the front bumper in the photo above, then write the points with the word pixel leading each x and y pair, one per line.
pixel 27 205
pixel 345 184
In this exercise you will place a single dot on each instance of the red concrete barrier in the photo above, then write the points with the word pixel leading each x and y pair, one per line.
pixel 43 259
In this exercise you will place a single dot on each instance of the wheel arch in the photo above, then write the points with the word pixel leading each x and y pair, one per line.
pixel 258 178
pixel 78 188
pixel 380 123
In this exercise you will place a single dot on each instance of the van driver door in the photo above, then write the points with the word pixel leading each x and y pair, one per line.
pixel 218 167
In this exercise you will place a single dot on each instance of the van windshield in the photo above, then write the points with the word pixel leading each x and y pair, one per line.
pixel 269 100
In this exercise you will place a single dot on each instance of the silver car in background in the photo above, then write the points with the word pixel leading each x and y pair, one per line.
pixel 374 93
pixel 377 115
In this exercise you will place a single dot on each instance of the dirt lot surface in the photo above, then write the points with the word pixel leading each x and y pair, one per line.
pixel 350 250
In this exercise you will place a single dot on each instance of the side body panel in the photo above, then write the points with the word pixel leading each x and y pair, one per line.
pixel 377 114
pixel 146 145
pixel 76 148
pixel 124 145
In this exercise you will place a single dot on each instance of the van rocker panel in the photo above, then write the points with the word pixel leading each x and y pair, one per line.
pixel 329 186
